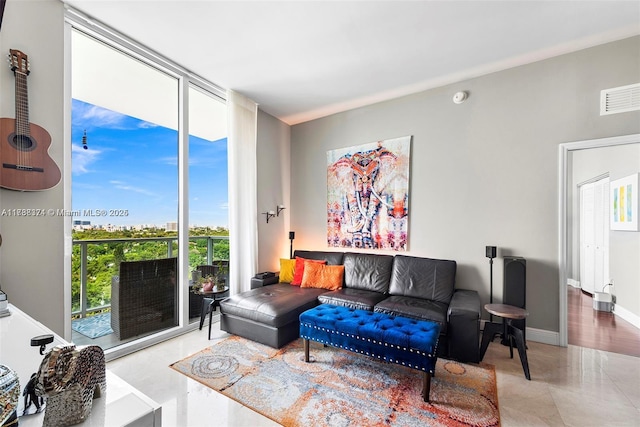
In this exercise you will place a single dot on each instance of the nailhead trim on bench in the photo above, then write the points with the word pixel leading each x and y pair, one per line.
pixel 412 350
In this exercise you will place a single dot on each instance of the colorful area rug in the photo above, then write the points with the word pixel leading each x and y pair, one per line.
pixel 340 388
pixel 94 326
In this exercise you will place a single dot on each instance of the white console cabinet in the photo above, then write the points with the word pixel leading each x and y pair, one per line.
pixel 122 405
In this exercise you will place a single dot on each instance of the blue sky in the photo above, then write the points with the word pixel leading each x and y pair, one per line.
pixel 131 164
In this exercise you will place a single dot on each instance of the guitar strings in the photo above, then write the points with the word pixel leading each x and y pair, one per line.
pixel 22 120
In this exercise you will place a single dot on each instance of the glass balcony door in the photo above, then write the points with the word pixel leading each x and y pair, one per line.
pixel 124 195
pixel 149 160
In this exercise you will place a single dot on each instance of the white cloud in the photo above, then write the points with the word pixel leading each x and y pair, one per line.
pixel 83 159
pixel 94 117
pixel 170 160
pixel 147 125
pixel 126 187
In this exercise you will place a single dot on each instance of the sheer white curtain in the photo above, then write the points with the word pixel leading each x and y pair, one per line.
pixel 242 116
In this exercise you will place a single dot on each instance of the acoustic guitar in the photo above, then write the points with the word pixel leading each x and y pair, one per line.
pixel 26 165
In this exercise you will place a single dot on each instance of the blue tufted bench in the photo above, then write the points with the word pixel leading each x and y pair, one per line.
pixel 407 342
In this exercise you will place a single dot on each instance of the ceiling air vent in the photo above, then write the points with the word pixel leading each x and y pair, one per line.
pixel 620 99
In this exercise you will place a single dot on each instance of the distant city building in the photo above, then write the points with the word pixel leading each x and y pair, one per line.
pixel 81 225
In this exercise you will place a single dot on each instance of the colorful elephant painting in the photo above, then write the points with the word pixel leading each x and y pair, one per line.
pixel 368 195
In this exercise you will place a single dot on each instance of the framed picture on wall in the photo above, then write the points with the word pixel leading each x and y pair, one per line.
pixel 624 203
pixel 368 195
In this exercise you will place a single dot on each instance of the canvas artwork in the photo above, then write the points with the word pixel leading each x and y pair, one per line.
pixel 624 203
pixel 368 195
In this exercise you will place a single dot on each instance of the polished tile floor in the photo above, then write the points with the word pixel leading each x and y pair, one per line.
pixel 572 386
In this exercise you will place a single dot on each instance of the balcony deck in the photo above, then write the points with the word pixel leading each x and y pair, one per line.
pixel 84 310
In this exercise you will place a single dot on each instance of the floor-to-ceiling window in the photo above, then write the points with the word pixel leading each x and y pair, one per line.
pixel 128 279
pixel 208 198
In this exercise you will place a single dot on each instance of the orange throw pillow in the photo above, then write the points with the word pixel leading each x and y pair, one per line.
pixel 299 270
pixel 322 276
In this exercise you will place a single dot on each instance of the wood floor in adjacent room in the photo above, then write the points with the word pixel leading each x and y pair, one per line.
pixel 598 329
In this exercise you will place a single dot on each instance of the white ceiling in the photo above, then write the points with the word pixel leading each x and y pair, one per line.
pixel 302 60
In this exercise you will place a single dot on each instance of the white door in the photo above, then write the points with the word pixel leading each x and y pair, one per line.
pixel 594 235
pixel 587 237
pixel 601 226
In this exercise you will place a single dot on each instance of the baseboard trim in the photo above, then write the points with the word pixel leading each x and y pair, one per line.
pixel 538 335
pixel 625 314
pixel 543 336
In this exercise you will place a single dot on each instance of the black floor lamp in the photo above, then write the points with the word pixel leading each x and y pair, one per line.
pixel 292 235
pixel 490 252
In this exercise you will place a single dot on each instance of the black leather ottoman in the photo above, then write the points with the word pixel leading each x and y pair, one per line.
pixel 269 314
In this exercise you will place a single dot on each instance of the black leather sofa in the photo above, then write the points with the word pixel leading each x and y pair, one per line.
pixel 414 287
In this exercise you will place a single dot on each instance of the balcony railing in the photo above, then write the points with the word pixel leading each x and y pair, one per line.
pixel 127 254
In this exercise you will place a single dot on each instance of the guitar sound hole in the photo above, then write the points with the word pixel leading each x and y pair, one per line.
pixel 22 142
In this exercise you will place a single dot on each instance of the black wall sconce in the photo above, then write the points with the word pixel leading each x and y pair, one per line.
pixel 269 215
pixel 272 214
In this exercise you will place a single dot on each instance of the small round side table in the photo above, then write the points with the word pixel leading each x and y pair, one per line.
pixel 511 333
pixel 210 300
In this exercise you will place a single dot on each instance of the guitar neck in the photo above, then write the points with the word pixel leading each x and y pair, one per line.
pixel 22 104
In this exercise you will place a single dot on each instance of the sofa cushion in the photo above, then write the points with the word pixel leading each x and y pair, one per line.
pixel 332 258
pixel 323 276
pixel 360 299
pixel 426 278
pixel 287 268
pixel 367 271
pixel 298 272
pixel 274 305
pixel 415 308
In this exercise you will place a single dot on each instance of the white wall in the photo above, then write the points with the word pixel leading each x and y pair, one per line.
pixel 31 256
pixel 483 172
pixel 273 190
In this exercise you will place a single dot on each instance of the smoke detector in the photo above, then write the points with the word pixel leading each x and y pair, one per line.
pixel 460 97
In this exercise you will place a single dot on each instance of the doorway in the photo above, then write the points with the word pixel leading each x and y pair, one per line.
pixel 572 258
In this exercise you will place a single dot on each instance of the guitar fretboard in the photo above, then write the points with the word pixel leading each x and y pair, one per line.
pixel 22 105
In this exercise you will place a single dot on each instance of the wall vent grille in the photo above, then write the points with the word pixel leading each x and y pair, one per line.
pixel 620 99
